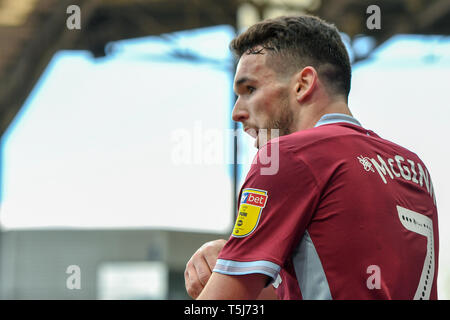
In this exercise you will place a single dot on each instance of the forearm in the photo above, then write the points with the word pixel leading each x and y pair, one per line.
pixel 226 287
pixel 268 293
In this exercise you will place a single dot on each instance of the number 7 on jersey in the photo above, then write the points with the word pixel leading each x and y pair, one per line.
pixel 421 224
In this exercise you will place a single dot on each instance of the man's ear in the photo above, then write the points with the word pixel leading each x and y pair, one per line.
pixel 306 81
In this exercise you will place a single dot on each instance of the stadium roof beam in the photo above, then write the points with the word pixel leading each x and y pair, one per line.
pixel 31 31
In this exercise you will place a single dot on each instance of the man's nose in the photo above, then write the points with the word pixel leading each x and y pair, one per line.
pixel 239 113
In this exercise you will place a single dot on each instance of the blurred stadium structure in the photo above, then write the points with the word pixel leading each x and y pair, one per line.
pixel 32 31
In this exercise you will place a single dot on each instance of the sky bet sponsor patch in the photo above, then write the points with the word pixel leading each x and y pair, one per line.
pixel 252 203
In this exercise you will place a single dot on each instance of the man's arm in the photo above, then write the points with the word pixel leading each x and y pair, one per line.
pixel 199 269
pixel 236 287
pixel 200 266
pixel 268 293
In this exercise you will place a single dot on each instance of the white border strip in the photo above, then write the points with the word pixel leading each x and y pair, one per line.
pixel 231 267
pixel 335 118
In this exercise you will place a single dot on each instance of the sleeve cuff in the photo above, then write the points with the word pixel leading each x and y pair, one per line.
pixel 231 267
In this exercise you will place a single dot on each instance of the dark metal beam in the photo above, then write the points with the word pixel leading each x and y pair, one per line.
pixel 36 53
pixel 104 21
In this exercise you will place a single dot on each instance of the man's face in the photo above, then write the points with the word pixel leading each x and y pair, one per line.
pixel 263 99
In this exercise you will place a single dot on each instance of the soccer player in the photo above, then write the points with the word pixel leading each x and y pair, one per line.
pixel 345 214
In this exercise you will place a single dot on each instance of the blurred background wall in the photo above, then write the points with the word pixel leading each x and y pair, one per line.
pixel 113 264
pixel 119 156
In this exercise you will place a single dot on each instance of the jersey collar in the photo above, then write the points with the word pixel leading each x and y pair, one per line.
pixel 335 118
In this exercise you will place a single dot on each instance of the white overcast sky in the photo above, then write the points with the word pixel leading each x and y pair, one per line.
pixel 139 140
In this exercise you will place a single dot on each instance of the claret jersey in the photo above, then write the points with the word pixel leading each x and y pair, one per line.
pixel 340 214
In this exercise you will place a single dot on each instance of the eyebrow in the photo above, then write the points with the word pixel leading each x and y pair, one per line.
pixel 242 80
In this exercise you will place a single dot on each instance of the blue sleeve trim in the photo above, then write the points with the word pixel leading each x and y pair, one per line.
pixel 335 118
pixel 231 267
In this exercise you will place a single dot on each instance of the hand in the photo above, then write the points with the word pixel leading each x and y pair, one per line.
pixel 200 266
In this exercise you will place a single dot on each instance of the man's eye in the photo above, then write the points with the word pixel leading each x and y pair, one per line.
pixel 250 89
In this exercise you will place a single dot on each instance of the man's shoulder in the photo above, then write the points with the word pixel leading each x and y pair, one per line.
pixel 318 137
pixel 335 141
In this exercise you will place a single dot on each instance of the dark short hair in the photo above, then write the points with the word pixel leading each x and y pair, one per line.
pixel 295 42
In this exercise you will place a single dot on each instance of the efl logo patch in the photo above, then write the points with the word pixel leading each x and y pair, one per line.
pixel 252 203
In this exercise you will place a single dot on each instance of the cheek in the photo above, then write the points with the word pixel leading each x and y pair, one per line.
pixel 261 108
pixel 266 104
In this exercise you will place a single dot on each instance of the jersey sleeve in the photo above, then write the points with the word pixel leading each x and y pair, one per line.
pixel 274 211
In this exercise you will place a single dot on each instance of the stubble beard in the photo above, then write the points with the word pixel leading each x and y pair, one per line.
pixel 278 126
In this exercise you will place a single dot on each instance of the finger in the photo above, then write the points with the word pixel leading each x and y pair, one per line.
pixel 211 252
pixel 203 271
pixel 211 260
pixel 192 283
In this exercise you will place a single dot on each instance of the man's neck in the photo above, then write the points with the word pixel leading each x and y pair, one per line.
pixel 309 119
